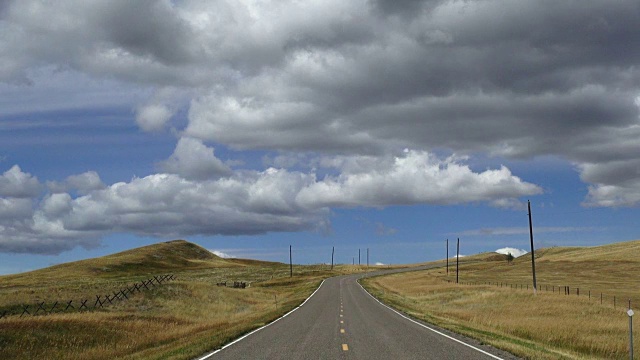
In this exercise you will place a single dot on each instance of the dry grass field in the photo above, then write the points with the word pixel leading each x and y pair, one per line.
pixel 549 325
pixel 178 319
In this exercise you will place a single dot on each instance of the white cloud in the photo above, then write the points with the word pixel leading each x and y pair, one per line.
pixel 194 160
pixel 12 209
pixel 615 183
pixel 153 117
pixel 83 183
pixel 352 78
pixel 14 183
pixel 513 251
pixel 415 177
pixel 379 264
pixel 196 200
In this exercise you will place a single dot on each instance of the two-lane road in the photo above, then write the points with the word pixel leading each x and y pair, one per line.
pixel 342 321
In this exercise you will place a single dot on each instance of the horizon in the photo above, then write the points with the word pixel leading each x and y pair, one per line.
pixel 246 128
pixel 516 253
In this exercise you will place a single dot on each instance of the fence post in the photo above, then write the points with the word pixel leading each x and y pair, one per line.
pixel 630 313
pixel 56 304
pixel 40 307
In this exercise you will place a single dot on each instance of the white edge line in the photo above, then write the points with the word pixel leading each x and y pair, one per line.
pixel 426 327
pixel 260 328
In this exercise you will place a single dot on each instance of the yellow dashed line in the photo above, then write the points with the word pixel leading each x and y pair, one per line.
pixel 340 315
pixel 345 347
pixel 341 321
pixel 341 331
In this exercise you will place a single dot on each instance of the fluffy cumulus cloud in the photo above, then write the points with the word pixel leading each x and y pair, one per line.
pixel 164 205
pixel 15 183
pixel 416 177
pixel 189 201
pixel 349 82
pixel 194 160
pixel 82 183
pixel 27 227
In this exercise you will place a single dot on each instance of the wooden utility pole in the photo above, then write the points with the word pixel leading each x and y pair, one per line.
pixel 457 258
pixel 367 257
pixel 533 257
pixel 333 249
pixel 290 263
pixel 359 257
pixel 447 257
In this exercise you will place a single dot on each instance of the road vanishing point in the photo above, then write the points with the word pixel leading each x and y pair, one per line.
pixel 341 320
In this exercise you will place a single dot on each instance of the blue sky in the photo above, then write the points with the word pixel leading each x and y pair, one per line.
pixel 247 127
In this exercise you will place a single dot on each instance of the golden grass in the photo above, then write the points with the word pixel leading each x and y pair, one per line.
pixel 177 320
pixel 543 326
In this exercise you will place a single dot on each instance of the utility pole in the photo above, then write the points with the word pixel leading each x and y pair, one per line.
pixel 533 257
pixel 367 257
pixel 447 257
pixel 358 256
pixel 353 260
pixel 457 259
pixel 333 249
pixel 290 263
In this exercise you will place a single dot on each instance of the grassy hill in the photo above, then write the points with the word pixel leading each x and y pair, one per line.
pixel 550 325
pixel 618 252
pixel 178 319
pixel 151 259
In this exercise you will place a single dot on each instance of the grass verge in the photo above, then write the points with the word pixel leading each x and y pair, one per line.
pixel 181 319
pixel 549 325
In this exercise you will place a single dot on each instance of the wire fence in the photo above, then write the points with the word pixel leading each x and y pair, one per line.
pixel 603 298
pixel 122 294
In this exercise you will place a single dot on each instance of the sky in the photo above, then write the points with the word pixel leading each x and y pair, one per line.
pixel 249 126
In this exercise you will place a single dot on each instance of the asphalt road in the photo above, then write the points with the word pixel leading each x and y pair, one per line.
pixel 342 321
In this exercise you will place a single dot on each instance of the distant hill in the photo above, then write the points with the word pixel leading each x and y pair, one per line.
pixel 619 252
pixel 152 259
